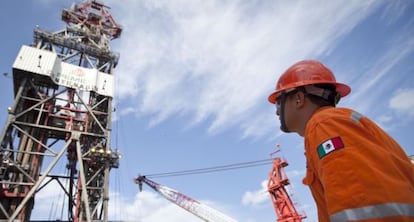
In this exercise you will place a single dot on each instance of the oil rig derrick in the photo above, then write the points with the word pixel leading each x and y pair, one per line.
pixel 63 89
pixel 282 203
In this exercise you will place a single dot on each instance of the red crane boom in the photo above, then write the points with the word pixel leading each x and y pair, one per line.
pixel 195 207
pixel 284 207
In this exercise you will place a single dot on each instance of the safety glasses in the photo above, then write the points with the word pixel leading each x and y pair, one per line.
pixel 281 97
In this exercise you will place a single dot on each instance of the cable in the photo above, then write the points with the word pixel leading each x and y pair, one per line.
pixel 212 169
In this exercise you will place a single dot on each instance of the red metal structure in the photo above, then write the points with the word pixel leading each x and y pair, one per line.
pixel 284 206
pixel 63 88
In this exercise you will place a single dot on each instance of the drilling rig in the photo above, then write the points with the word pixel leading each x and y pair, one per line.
pixel 282 203
pixel 63 90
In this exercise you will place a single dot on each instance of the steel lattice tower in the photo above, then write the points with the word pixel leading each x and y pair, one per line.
pixel 282 203
pixel 63 87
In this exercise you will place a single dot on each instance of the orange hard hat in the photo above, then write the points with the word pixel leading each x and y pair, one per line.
pixel 307 72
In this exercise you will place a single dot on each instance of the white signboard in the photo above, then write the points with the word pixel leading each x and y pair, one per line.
pixel 47 63
pixel 35 60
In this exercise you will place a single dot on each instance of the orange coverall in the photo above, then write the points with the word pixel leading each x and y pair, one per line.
pixel 356 171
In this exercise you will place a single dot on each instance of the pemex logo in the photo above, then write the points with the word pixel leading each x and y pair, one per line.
pixel 78 72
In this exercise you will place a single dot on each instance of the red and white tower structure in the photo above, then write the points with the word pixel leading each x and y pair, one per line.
pixel 63 88
pixel 283 204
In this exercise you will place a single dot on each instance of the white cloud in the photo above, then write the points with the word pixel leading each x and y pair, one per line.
pixel 385 121
pixel 296 173
pixel 403 103
pixel 119 113
pixel 257 197
pixel 50 202
pixel 148 206
pixel 379 78
pixel 218 61
pixel 384 118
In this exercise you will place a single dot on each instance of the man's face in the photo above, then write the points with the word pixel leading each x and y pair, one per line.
pixel 286 102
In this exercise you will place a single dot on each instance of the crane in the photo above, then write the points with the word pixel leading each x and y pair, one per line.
pixel 195 207
pixel 283 204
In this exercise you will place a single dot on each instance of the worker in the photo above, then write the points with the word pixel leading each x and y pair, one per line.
pixel 355 170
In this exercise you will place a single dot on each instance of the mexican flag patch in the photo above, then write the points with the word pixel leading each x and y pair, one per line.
pixel 329 146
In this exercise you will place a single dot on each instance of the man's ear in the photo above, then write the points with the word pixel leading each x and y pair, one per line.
pixel 300 97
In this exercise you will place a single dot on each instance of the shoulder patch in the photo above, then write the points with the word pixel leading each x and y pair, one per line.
pixel 329 146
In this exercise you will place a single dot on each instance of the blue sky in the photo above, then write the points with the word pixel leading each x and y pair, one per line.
pixel 192 86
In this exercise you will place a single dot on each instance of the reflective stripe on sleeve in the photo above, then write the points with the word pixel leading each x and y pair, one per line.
pixel 374 212
pixel 355 116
